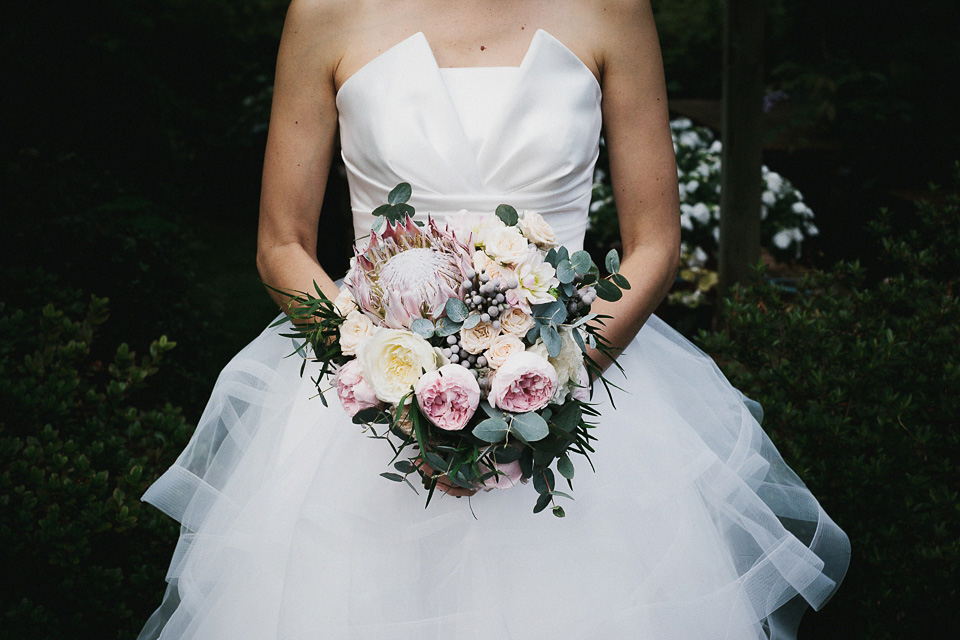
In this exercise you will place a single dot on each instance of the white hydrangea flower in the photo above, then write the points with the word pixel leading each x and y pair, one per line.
pixel 774 182
pixel 782 238
pixel 769 198
pixel 701 213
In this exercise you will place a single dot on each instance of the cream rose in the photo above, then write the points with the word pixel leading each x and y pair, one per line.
pixel 536 230
pixel 354 330
pixel 516 322
pixel 392 361
pixel 345 302
pixel 478 339
pixel 501 348
pixel 483 264
pixel 506 245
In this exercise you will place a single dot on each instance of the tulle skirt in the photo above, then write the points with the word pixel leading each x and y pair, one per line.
pixel 692 527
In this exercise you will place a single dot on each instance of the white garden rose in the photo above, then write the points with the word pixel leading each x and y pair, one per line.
pixel 570 359
pixel 506 245
pixel 474 223
pixel 345 303
pixel 502 347
pixel 392 361
pixel 354 330
pixel 478 339
pixel 536 230
pixel 515 321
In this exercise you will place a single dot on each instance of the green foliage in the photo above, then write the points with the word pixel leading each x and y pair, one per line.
pixel 81 555
pixel 860 381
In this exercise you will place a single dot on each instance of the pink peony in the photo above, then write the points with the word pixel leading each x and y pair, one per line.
pixel 448 396
pixel 508 477
pixel 354 392
pixel 524 382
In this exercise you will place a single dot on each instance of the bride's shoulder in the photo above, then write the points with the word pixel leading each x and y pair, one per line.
pixel 609 26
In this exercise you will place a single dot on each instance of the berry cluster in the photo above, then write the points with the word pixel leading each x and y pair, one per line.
pixel 487 296
pixel 579 304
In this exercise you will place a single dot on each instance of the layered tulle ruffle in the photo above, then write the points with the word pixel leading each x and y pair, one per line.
pixel 692 527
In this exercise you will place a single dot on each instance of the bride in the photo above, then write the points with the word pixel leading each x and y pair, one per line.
pixel 692 526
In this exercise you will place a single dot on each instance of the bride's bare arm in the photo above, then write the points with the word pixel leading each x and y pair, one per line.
pixel 642 165
pixel 300 145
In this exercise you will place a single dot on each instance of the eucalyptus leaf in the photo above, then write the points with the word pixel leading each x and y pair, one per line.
pixel 565 467
pixel 365 416
pixel 436 462
pixel 554 313
pixel 503 455
pixel 569 417
pixel 581 261
pixel 558 511
pixel 620 281
pixel 533 334
pixel 551 258
pixel 492 411
pixel 543 481
pixel 491 430
pixel 568 289
pixel 381 210
pixel 404 466
pixel 526 462
pixel 471 321
pixel 508 214
pixel 392 476
pixel 579 340
pixel 531 426
pixel 447 327
pixel 563 253
pixel 456 310
pixel 565 272
pixel 400 193
pixel 608 291
pixel 612 261
pixel 423 328
pixel 542 502
pixel 551 339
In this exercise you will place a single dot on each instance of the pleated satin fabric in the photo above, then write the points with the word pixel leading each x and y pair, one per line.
pixel 692 527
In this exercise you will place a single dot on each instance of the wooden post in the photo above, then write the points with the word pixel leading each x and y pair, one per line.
pixel 740 178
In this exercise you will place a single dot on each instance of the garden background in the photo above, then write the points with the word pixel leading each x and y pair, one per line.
pixel 132 145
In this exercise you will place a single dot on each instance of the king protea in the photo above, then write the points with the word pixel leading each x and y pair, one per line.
pixel 407 272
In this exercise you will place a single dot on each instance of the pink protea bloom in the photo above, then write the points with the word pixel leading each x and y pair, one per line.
pixel 407 272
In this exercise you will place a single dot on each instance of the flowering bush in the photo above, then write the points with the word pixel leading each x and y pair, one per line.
pixel 468 339
pixel 786 220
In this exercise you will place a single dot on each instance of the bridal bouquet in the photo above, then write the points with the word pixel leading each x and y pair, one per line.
pixel 464 345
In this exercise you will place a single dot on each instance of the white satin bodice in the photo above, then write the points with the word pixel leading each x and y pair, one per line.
pixel 533 145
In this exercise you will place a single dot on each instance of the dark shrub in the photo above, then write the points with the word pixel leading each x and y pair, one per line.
pixel 81 557
pixel 860 380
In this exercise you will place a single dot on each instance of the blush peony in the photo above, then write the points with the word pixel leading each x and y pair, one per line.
pixel 354 392
pixel 525 382
pixel 448 396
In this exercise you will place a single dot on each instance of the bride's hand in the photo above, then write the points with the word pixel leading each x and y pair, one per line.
pixel 442 484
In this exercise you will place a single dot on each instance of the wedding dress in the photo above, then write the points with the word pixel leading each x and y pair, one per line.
pixel 692 527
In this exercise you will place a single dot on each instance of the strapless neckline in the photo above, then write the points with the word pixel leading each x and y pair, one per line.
pixel 536 42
